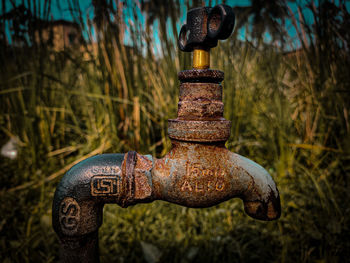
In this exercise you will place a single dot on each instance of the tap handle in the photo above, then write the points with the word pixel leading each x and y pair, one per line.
pixel 205 26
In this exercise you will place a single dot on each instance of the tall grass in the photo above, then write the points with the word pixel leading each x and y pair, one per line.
pixel 289 112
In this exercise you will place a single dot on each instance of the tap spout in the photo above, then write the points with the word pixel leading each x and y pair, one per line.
pixel 206 174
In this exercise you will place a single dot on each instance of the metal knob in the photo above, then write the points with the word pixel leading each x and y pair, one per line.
pixel 204 27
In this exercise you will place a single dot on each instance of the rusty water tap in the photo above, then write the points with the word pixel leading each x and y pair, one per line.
pixel 197 172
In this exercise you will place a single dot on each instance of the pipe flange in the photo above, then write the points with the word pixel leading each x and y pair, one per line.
pixel 199 131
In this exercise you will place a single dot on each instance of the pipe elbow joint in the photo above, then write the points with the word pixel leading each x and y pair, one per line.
pixel 123 179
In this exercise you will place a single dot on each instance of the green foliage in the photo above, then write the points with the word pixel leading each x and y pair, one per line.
pixel 289 112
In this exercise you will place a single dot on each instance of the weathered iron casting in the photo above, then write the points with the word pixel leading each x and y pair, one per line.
pixel 205 26
pixel 197 172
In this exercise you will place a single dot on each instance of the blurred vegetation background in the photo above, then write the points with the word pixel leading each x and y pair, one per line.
pixel 73 89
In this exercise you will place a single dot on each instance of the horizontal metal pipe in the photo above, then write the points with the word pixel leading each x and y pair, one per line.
pixel 191 174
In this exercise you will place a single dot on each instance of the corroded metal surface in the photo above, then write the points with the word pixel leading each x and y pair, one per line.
pixel 199 131
pixel 200 91
pixel 200 108
pixel 205 26
pixel 194 32
pixel 202 175
pixel 197 172
pixel 221 21
pixel 123 179
pixel 201 75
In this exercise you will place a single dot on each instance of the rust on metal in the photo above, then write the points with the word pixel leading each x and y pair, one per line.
pixel 129 179
pixel 200 91
pixel 200 108
pixel 205 174
pixel 201 75
pixel 143 180
pixel 197 172
pixel 205 26
pixel 199 131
